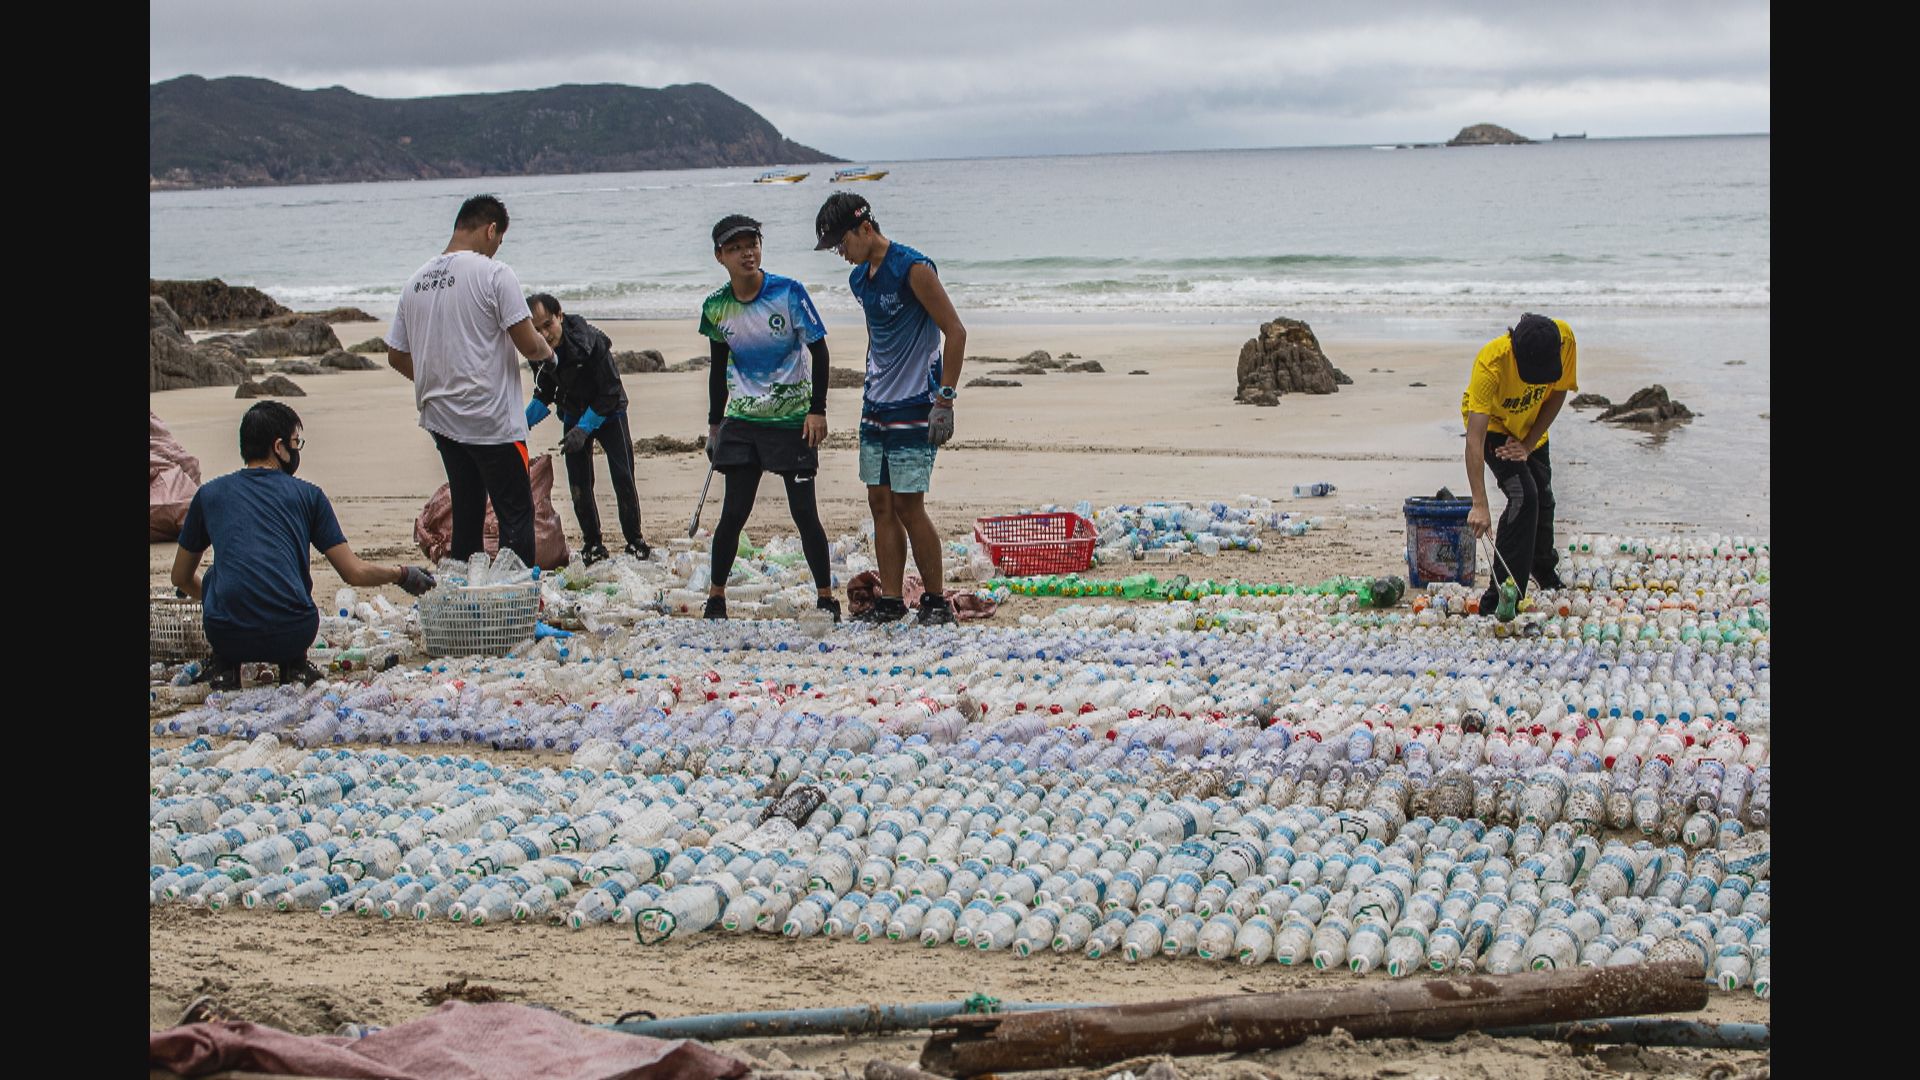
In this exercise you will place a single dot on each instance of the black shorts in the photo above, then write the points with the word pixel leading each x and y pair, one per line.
pixel 747 445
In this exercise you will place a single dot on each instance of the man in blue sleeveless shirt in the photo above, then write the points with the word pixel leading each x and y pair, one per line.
pixel 907 408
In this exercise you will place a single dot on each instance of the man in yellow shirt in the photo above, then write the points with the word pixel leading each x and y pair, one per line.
pixel 1518 383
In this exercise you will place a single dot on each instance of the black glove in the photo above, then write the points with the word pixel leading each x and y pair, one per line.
pixel 415 580
pixel 576 441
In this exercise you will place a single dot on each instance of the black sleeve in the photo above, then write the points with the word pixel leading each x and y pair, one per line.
pixel 819 351
pixel 717 380
pixel 545 388
pixel 606 378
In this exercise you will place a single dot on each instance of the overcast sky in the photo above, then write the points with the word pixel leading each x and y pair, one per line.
pixel 984 77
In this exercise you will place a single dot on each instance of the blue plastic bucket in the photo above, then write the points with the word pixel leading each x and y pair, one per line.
pixel 1439 543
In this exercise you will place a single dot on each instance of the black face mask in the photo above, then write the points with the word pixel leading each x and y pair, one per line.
pixel 292 464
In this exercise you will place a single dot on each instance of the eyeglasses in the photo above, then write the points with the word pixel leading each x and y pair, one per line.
pixel 297 443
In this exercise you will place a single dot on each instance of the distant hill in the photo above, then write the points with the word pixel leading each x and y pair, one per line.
pixel 1487 135
pixel 245 131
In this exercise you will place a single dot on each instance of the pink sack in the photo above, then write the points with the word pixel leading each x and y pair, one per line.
pixel 173 475
pixel 433 529
pixel 865 588
pixel 457 1041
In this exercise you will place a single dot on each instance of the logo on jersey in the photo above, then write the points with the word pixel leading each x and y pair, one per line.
pixel 777 323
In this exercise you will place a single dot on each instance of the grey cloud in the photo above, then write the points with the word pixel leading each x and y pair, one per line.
pixel 1005 77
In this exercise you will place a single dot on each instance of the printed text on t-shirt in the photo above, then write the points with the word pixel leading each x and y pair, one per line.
pixel 1525 401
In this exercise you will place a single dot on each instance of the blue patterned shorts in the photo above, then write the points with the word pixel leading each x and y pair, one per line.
pixel 894 451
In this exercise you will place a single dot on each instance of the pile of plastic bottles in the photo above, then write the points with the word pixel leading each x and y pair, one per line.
pixel 1378 592
pixel 1163 530
pixel 766 582
pixel 1298 781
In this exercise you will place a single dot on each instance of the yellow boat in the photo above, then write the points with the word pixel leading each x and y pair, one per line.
pixel 860 173
pixel 779 176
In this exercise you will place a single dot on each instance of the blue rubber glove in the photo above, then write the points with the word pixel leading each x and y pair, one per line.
pixel 542 630
pixel 536 411
pixel 591 420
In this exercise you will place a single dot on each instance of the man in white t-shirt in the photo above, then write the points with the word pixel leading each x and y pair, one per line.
pixel 461 319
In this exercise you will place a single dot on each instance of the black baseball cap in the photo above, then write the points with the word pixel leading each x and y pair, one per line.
pixel 843 211
pixel 1536 349
pixel 731 226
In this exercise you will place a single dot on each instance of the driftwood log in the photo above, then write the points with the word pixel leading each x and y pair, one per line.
pixel 1432 1008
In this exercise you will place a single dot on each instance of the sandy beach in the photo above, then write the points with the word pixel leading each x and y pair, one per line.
pixel 352 969
pixel 1106 437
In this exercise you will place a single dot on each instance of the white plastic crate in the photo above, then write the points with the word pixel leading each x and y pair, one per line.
pixel 478 620
pixel 174 633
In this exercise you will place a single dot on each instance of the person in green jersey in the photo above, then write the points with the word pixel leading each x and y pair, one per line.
pixel 767 401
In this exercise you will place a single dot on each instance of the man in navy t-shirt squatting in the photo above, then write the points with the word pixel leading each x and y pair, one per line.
pixel 907 408
pixel 257 597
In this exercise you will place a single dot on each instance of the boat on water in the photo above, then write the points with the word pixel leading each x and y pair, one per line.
pixel 859 172
pixel 780 176
pixel 1582 135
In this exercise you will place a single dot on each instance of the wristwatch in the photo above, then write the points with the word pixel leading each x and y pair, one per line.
pixel 947 394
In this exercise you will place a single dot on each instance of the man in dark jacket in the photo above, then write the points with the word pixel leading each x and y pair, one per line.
pixel 584 384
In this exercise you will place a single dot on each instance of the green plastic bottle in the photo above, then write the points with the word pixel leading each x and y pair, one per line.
pixel 1385 592
pixel 1509 607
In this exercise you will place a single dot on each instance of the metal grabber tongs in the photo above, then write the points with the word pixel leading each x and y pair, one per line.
pixel 1509 607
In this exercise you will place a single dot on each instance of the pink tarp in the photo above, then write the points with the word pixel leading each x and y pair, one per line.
pixel 173 475
pixel 865 588
pixel 433 529
pixel 457 1041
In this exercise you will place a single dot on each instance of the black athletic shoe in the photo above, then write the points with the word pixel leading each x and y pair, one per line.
pixel 1548 580
pixel 593 553
pixel 303 673
pixel 1490 601
pixel 935 611
pixel 829 605
pixel 716 608
pixel 885 609
pixel 641 550
pixel 225 677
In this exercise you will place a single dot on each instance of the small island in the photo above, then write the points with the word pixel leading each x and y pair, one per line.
pixel 1487 135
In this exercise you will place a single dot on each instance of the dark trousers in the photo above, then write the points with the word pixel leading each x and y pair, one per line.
pixel 478 473
pixel 743 483
pixel 1524 537
pixel 246 645
pixel 614 438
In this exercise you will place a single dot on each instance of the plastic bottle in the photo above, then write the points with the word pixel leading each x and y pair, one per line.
pixel 1293 943
pixel 1330 937
pixel 739 915
pixel 941 921
pixel 809 915
pixel 1037 930
pixel 1217 937
pixel 1367 947
pixel 1144 936
pixel 1110 935
pixel 908 918
pixel 1408 947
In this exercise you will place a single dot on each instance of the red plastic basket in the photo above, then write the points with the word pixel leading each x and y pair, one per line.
pixel 1025 544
